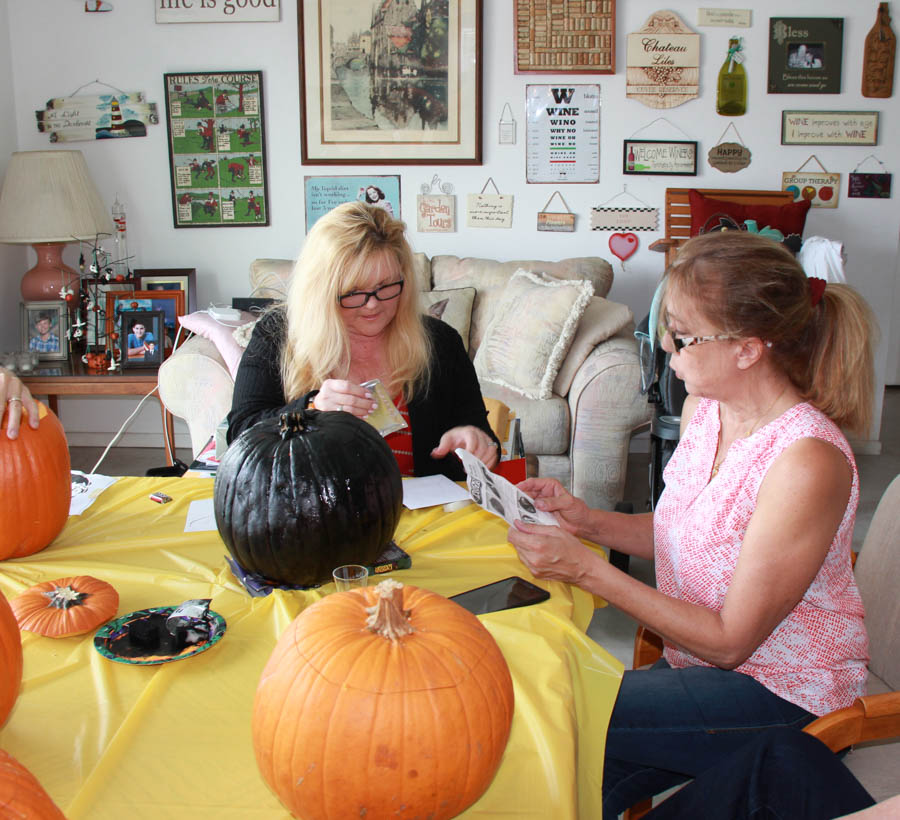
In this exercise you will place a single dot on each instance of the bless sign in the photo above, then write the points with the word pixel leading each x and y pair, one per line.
pixel 217 11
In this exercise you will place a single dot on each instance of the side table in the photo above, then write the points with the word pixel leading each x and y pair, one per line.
pixel 72 378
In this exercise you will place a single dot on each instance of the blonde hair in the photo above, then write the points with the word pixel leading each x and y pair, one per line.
pixel 749 285
pixel 335 260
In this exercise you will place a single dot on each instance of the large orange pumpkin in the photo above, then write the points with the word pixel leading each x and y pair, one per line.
pixel 66 606
pixel 35 485
pixel 372 706
pixel 10 659
pixel 21 795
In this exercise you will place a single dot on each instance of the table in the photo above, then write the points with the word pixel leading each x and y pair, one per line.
pixel 75 379
pixel 108 740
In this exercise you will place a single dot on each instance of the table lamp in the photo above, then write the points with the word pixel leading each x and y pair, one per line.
pixel 48 200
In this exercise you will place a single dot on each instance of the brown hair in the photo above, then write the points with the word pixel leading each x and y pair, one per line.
pixel 750 285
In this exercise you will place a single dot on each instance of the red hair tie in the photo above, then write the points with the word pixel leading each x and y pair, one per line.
pixel 816 289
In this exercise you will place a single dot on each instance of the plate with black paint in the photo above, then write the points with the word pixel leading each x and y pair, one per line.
pixel 115 640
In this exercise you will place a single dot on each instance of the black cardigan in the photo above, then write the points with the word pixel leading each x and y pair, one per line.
pixel 453 398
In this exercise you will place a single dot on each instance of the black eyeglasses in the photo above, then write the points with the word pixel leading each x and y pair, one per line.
pixel 681 342
pixel 359 298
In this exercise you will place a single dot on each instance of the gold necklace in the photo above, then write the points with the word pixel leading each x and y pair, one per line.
pixel 716 462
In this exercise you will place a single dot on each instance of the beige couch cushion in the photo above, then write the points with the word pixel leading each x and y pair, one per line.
pixel 544 424
pixel 269 277
pixel 526 357
pixel 452 306
pixel 489 277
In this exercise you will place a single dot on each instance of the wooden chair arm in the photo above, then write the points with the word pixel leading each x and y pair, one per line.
pixel 663 245
pixel 872 717
pixel 648 648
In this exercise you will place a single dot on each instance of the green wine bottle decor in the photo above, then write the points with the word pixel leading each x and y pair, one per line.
pixel 731 99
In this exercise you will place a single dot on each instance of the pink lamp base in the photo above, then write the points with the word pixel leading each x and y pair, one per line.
pixel 44 280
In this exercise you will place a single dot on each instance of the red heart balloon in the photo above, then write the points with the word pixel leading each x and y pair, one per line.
pixel 623 245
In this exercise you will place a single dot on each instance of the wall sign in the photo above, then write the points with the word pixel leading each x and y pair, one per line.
pixel 562 133
pixel 878 57
pixel 217 11
pixel 322 194
pixel 659 157
pixel 729 157
pixel 829 127
pixel 663 62
pixel 624 219
pixel 489 210
pixel 217 149
pixel 728 18
pixel 869 186
pixel 805 55
pixel 556 220
pixel 97 116
pixel 436 213
pixel 822 189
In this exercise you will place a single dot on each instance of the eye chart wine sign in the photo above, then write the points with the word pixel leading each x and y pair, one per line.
pixel 562 133
pixel 663 62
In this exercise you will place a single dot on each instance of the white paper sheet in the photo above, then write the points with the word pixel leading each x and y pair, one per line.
pixel 201 516
pixel 429 491
pixel 85 489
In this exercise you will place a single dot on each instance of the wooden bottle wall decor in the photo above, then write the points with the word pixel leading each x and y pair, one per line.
pixel 878 57
pixel 663 62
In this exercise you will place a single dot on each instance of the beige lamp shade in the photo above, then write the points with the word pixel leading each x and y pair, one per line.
pixel 48 198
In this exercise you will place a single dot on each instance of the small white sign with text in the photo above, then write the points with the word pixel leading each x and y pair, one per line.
pixel 217 11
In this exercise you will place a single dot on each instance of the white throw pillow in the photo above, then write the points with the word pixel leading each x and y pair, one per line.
pixel 453 306
pixel 531 331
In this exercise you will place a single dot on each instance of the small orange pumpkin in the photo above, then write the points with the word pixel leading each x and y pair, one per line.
pixel 35 485
pixel 67 606
pixel 10 659
pixel 21 795
pixel 370 704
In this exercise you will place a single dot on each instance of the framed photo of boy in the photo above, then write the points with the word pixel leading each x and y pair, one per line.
pixel 45 329
pixel 183 279
pixel 141 338
pixel 121 306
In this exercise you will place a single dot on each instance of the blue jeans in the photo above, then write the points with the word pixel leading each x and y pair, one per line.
pixel 669 725
pixel 782 774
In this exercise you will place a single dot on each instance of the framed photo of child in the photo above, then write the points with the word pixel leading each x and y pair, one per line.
pixel 142 340
pixel 45 328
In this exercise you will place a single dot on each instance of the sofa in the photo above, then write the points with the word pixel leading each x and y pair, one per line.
pixel 544 339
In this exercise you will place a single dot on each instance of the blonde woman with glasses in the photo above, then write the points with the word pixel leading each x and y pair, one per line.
pixel 351 315
pixel 755 600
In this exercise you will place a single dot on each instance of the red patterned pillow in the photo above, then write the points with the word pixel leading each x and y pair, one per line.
pixel 788 219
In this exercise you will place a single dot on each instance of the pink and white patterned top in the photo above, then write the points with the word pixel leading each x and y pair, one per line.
pixel 817 656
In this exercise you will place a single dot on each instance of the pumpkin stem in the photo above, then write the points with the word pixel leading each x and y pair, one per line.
pixel 386 618
pixel 290 423
pixel 64 597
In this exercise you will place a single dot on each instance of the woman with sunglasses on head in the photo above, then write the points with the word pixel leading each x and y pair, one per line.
pixel 755 599
pixel 351 315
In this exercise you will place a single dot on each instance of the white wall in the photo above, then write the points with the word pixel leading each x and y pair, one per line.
pixel 126 49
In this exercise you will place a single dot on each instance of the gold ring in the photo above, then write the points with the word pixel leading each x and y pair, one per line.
pixel 340 408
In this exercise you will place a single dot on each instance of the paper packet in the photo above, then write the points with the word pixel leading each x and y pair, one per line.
pixel 386 418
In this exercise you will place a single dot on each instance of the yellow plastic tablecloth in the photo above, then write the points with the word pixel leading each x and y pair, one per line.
pixel 108 740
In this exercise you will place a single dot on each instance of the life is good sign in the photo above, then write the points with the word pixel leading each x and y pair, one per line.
pixel 217 11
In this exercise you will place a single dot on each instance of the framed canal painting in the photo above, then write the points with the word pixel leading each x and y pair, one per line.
pixel 390 83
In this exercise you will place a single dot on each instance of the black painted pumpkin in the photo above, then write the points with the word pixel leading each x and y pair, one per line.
pixel 299 495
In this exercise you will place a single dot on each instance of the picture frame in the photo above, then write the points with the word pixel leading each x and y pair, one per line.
pixel 805 55
pixel 45 329
pixel 216 134
pixel 387 105
pixel 659 157
pixel 170 303
pixel 565 39
pixel 183 279
pixel 141 349
pixel 829 127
